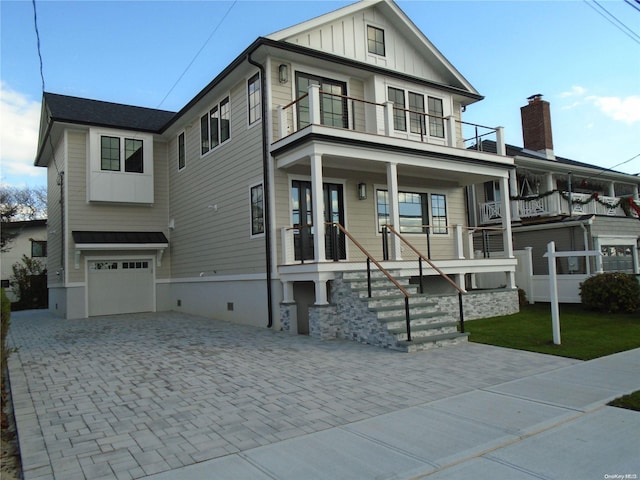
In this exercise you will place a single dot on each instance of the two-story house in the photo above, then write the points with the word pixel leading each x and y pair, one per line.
pixel 323 148
pixel 577 205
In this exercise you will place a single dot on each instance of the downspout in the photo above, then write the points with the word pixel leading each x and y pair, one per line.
pixel 267 186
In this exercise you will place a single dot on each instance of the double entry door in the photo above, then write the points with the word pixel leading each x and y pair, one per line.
pixel 302 217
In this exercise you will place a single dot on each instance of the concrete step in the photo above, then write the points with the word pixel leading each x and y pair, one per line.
pixel 422 330
pixel 362 274
pixel 419 318
pixel 390 302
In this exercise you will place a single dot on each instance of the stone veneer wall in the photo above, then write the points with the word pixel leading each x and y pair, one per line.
pixel 285 315
pixel 481 303
pixel 324 323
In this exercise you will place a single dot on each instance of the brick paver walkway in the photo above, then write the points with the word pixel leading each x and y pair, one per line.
pixel 129 396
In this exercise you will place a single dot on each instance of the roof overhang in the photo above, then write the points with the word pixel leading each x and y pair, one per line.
pixel 119 241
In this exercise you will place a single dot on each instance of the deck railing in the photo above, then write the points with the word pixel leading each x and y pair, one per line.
pixel 318 107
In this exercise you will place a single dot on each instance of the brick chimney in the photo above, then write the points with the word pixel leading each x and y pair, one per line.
pixel 536 126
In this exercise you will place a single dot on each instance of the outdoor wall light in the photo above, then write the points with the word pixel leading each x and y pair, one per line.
pixel 283 73
pixel 362 191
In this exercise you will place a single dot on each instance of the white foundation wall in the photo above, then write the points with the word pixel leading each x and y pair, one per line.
pixel 234 300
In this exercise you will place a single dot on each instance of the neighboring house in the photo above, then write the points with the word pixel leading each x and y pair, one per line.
pixel 603 216
pixel 29 237
pixel 230 207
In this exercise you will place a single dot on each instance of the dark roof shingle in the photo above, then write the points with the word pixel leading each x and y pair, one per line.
pixel 84 111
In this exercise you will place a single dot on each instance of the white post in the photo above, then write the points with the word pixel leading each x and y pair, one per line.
pixel 314 104
pixel 321 292
pixel 500 145
pixel 612 189
pixel 527 270
pixel 317 202
pixel 553 290
pixel 283 120
pixel 388 118
pixel 394 208
pixel 505 206
pixel 459 244
pixel 513 192
pixel 451 131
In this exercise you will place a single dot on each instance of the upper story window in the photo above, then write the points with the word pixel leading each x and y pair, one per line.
pixel 253 100
pixel 112 149
pixel 333 103
pixel 38 248
pixel 215 126
pixel 375 40
pixel 181 152
pixel 416 112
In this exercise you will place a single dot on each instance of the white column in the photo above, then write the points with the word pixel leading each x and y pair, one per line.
pixel 450 121
pixel 314 104
pixel 506 219
pixel 321 292
pixel 394 208
pixel 501 149
pixel 635 192
pixel 388 118
pixel 317 204
pixel 612 190
pixel 282 119
pixel 459 244
pixel 513 191
pixel 287 292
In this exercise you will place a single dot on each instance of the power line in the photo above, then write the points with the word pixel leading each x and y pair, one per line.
pixel 614 21
pixel 610 169
pixel 35 24
pixel 197 53
pixel 633 4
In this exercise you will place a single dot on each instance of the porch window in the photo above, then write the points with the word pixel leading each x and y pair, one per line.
pixel 257 210
pixel 617 258
pixel 438 213
pixel 414 212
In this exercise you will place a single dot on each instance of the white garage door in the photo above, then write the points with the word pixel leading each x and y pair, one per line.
pixel 120 286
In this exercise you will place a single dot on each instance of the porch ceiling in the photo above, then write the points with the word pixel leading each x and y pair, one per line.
pixel 457 167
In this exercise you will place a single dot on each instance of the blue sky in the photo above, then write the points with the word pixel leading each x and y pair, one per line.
pixel 134 52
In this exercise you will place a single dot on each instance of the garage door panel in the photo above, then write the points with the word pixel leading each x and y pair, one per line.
pixel 120 286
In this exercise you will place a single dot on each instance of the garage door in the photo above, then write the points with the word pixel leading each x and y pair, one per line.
pixel 120 286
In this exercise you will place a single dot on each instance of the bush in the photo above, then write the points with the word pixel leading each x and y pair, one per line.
pixel 29 284
pixel 4 330
pixel 611 292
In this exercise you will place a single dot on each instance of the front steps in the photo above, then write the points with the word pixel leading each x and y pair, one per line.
pixel 381 319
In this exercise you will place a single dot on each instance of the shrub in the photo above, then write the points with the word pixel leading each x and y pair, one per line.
pixel 522 298
pixel 4 330
pixel 611 292
pixel 30 292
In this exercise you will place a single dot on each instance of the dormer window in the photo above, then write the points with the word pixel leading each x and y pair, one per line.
pixel 375 40
pixel 111 153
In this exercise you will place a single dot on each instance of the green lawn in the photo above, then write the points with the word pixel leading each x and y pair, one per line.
pixel 585 334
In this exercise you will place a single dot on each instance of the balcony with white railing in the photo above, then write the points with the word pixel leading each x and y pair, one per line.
pixel 557 203
pixel 382 119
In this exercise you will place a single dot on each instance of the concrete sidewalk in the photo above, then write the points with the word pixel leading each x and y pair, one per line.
pixel 171 396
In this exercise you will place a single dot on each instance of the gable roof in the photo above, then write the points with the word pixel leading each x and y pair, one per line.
pixel 63 108
pixel 401 22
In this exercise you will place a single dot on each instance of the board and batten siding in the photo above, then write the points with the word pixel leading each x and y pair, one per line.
pixel 347 37
pixel 210 199
pixel 108 216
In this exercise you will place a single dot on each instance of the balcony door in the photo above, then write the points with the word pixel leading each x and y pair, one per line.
pixel 333 104
pixel 302 219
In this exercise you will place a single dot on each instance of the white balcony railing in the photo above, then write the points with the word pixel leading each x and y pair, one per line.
pixel 555 204
pixel 339 111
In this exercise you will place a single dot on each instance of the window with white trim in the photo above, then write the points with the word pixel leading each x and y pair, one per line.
pixel 257 210
pixel 438 213
pixel 617 258
pixel 215 128
pixel 414 211
pixel 375 40
pixel 253 98
pixel 414 114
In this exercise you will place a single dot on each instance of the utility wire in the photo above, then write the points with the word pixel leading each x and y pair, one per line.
pixel 614 21
pixel 610 169
pixel 633 4
pixel 197 53
pixel 35 24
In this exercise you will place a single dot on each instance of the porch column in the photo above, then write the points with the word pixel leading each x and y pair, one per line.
pixel 394 209
pixel 317 203
pixel 612 190
pixel 287 292
pixel 321 292
pixel 513 191
pixel 507 241
pixel 635 192
pixel 388 118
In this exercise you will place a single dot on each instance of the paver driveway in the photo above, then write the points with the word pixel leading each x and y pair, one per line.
pixel 129 396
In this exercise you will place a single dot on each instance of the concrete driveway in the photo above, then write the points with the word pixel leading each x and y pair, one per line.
pixel 170 395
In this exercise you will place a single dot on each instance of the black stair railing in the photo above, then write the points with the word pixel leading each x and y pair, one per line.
pixel 370 260
pixel 422 258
